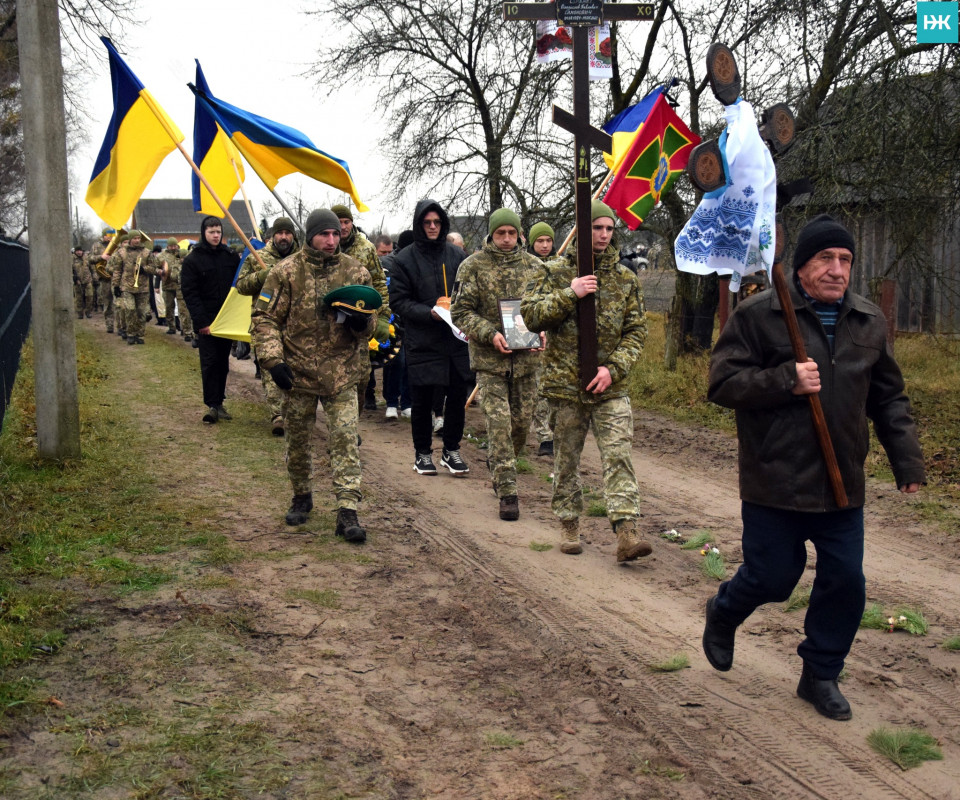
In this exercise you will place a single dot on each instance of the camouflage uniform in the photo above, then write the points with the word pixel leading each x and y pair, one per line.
pixel 507 383
pixel 173 294
pixel 105 285
pixel 135 300
pixel 290 324
pixel 549 304
pixel 249 283
pixel 82 287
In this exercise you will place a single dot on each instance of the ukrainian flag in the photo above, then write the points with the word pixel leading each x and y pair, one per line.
pixel 233 318
pixel 139 137
pixel 275 150
pixel 213 152
pixel 625 127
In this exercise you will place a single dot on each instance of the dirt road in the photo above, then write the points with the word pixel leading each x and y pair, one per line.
pixel 463 663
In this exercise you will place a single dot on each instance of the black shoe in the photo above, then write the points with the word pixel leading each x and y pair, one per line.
pixel 122 334
pixel 171 331
pixel 452 461
pixel 212 415
pixel 718 639
pixel 509 507
pixel 195 343
pixel 369 405
pixel 276 427
pixel 131 339
pixel 424 464
pixel 222 412
pixel 824 695
pixel 139 340
pixel 348 526
pixel 546 449
pixel 300 509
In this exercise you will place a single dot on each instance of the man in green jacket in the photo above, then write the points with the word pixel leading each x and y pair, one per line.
pixel 550 304
pixel 507 377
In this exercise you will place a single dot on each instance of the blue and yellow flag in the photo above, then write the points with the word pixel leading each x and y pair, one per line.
pixel 139 137
pixel 233 318
pixel 216 155
pixel 275 150
pixel 625 127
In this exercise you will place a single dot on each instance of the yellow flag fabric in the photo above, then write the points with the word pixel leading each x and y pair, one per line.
pixel 233 319
pixel 216 156
pixel 139 137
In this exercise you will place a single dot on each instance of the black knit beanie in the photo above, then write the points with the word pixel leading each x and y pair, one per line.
pixel 405 238
pixel 819 234
pixel 323 219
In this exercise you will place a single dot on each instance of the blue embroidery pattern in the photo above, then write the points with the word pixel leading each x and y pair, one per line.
pixel 721 231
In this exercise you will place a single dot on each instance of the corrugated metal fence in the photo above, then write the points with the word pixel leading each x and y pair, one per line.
pixel 14 314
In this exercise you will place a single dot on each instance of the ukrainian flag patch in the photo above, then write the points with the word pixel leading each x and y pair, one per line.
pixel 265 297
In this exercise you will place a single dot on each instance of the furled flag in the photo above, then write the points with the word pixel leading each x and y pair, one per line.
pixel 624 127
pixel 139 137
pixel 216 155
pixel 233 318
pixel 655 159
pixel 732 232
pixel 275 150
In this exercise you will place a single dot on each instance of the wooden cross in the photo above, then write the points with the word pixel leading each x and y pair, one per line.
pixel 582 15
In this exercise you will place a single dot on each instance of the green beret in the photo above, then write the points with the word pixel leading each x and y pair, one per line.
pixel 355 297
pixel 504 216
pixel 540 229
pixel 342 212
pixel 600 209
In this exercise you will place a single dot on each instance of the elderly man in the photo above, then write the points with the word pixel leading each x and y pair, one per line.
pixel 506 377
pixel 317 356
pixel 550 304
pixel 249 283
pixel 784 486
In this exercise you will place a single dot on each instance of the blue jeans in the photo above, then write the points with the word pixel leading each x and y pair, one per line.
pixel 774 557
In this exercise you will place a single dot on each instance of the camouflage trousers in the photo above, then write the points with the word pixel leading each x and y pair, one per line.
pixel 612 425
pixel 542 414
pixel 342 448
pixel 276 397
pixel 170 312
pixel 135 309
pixel 106 300
pixel 507 405
pixel 83 298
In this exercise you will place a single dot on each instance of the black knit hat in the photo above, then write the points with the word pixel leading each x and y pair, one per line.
pixel 323 219
pixel 819 234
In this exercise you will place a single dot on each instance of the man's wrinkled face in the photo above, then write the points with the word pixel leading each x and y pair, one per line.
pixel 602 233
pixel 384 249
pixel 326 241
pixel 825 277
pixel 213 235
pixel 431 225
pixel 283 241
pixel 543 245
pixel 505 238
pixel 346 226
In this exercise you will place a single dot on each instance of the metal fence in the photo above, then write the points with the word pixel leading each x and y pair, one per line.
pixel 14 314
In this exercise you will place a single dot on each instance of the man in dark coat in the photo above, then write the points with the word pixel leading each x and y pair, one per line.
pixel 205 279
pixel 423 277
pixel 784 485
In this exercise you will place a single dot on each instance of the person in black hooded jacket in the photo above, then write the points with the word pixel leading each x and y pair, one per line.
pixel 205 279
pixel 422 276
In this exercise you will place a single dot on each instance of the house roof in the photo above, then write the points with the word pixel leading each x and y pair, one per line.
pixel 161 217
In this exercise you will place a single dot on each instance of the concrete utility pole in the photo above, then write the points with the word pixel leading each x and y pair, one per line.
pixel 45 150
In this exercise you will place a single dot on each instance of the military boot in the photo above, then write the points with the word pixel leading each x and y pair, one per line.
pixel 570 537
pixel 510 507
pixel 630 545
pixel 348 526
pixel 300 509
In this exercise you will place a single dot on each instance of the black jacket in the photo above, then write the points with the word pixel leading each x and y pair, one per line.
pixel 419 274
pixel 753 370
pixel 205 279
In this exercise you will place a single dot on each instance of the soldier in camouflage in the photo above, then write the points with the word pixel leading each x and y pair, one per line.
pixel 98 265
pixel 541 244
pixel 316 359
pixel 133 265
pixel 549 304
pixel 172 259
pixel 82 285
pixel 249 283
pixel 506 377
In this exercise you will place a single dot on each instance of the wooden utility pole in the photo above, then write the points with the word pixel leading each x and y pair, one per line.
pixel 582 15
pixel 45 152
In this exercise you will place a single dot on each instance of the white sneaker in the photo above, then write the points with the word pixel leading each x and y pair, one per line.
pixel 438 424
pixel 405 412
pixel 391 412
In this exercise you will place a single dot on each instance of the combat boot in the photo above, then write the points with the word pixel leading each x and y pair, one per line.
pixel 630 545
pixel 300 509
pixel 509 507
pixel 570 537
pixel 348 526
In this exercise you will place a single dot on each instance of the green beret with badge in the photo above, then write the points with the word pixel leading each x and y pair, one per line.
pixel 354 304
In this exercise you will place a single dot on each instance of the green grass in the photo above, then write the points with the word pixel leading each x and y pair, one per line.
pixel 714 566
pixel 325 598
pixel 905 747
pixel 697 540
pixel 674 663
pixel 952 643
pixel 663 771
pixel 597 508
pixel 799 598
pixel 874 618
pixel 540 547
pixel 500 740
pixel 524 467
pixel 903 618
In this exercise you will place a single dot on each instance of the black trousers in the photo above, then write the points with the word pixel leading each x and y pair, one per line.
pixel 421 413
pixel 214 366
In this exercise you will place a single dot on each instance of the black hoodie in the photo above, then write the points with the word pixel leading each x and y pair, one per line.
pixel 421 273
pixel 206 277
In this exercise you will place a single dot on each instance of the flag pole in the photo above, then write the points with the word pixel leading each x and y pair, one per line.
pixel 596 194
pixel 246 201
pixel 283 205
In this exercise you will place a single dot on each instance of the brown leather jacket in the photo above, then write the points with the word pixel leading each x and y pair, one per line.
pixel 752 370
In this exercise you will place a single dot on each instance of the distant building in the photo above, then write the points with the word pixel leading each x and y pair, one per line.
pixel 162 218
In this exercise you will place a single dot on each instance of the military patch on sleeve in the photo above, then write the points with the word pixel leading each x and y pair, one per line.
pixel 263 301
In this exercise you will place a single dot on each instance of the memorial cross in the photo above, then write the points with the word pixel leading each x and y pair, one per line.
pixel 582 15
